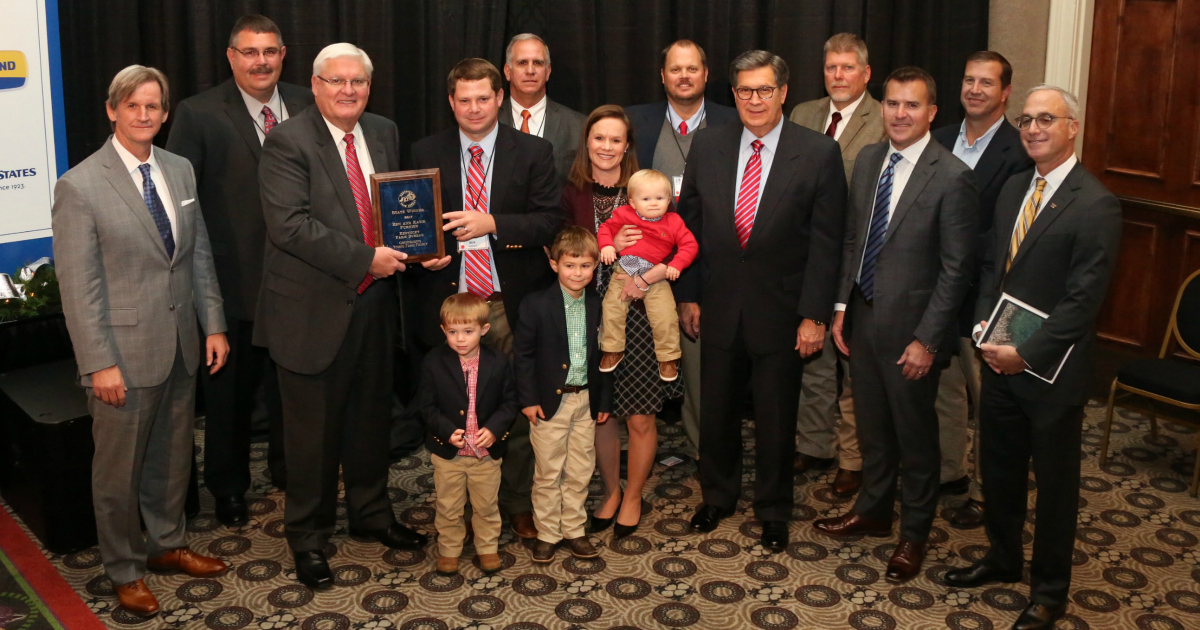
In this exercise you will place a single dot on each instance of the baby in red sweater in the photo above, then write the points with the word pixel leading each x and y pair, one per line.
pixel 662 232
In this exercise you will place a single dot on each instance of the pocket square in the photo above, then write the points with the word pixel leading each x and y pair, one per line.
pixel 187 201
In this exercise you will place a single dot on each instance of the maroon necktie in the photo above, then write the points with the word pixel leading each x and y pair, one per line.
pixel 833 121
pixel 269 121
pixel 362 201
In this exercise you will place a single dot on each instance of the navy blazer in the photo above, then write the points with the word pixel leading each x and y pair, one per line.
pixel 647 120
pixel 442 399
pixel 541 355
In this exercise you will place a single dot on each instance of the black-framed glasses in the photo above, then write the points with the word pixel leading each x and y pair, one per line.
pixel 765 92
pixel 1044 121
pixel 338 82
pixel 253 53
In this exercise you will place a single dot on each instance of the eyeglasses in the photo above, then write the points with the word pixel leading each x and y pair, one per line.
pixel 765 92
pixel 1044 121
pixel 338 82
pixel 269 53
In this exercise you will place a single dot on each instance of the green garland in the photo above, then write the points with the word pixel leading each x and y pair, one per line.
pixel 41 297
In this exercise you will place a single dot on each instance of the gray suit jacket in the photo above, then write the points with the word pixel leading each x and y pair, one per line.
pixel 564 127
pixel 925 267
pixel 126 303
pixel 315 257
pixel 864 128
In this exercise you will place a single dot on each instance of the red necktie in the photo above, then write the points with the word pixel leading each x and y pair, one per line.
pixel 269 121
pixel 479 263
pixel 747 202
pixel 683 127
pixel 833 121
pixel 362 201
pixel 525 121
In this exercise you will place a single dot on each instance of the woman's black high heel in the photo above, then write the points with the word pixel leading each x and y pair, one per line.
pixel 620 531
pixel 600 524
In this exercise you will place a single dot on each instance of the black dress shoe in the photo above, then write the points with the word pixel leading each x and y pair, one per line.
pixel 775 535
pixel 804 463
pixel 979 574
pixel 956 486
pixel 396 536
pixel 708 517
pixel 600 524
pixel 1039 617
pixel 312 570
pixel 969 516
pixel 232 512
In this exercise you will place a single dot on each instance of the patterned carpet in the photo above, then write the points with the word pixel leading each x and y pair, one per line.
pixel 1137 564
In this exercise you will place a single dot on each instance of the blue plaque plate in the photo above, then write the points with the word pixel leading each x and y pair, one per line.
pixel 408 213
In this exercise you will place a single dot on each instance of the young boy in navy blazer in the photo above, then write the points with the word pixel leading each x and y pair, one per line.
pixel 562 392
pixel 468 401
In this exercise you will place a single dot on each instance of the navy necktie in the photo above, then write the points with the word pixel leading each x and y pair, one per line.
pixel 157 211
pixel 879 225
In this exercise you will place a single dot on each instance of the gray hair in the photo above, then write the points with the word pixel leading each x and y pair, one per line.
pixel 521 38
pixel 129 79
pixel 847 42
pixel 343 49
pixel 755 59
pixel 1068 98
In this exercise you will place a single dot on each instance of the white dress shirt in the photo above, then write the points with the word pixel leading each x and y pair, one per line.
pixel 537 116
pixel 256 111
pixel 156 176
pixel 846 112
pixel 766 155
pixel 970 153
pixel 360 149
pixel 693 123
pixel 488 144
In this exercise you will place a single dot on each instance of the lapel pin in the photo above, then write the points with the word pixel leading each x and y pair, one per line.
pixel 1053 205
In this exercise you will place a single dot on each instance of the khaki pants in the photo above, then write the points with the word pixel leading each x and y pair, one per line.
pixel 825 423
pixel 455 479
pixel 691 394
pixel 565 453
pixel 959 384
pixel 660 308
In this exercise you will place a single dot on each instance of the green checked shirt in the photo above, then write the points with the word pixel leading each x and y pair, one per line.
pixel 576 337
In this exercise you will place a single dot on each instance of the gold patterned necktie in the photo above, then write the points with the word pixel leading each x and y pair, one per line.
pixel 1028 214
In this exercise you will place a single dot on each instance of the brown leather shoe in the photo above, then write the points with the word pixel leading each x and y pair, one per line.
pixel 542 551
pixel 523 526
pixel 489 562
pixel 852 525
pixel 610 360
pixel 906 561
pixel 447 565
pixel 969 516
pixel 668 370
pixel 137 598
pixel 582 547
pixel 804 463
pixel 188 561
pixel 847 483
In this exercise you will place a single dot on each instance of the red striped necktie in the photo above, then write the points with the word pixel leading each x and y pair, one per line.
pixel 269 121
pixel 747 201
pixel 362 201
pixel 479 262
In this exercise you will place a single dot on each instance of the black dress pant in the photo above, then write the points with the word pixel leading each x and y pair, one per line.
pixel 897 429
pixel 342 416
pixel 1015 430
pixel 229 401
pixel 773 381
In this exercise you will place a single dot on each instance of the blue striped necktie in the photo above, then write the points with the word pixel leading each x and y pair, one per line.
pixel 879 225
pixel 157 211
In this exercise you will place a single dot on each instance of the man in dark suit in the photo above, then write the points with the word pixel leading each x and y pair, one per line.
pixel 1057 232
pixel 500 197
pixel 990 145
pixel 663 134
pixel 328 310
pixel 527 108
pixel 910 239
pixel 766 200
pixel 221 131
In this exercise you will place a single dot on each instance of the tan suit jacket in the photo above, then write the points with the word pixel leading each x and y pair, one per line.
pixel 864 128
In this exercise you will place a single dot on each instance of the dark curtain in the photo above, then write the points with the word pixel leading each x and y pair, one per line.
pixel 601 50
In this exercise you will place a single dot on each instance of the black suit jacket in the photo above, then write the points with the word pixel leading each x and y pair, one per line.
pixel 924 267
pixel 1004 157
pixel 1063 268
pixel 789 269
pixel 315 256
pixel 215 132
pixel 647 120
pixel 525 203
pixel 541 353
pixel 442 399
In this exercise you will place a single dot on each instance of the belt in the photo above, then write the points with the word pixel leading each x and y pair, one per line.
pixel 573 389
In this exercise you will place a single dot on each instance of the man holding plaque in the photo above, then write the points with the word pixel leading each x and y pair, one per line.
pixel 328 310
pixel 501 198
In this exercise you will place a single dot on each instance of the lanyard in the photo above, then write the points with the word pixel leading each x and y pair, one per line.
pixel 467 177
pixel 545 113
pixel 703 115
pixel 277 110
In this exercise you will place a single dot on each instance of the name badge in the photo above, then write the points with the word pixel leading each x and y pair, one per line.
pixel 677 184
pixel 479 242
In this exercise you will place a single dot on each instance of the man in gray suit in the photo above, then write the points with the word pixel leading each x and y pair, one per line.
pixel 527 68
pixel 328 310
pixel 136 273
pixel 909 251
pixel 849 115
